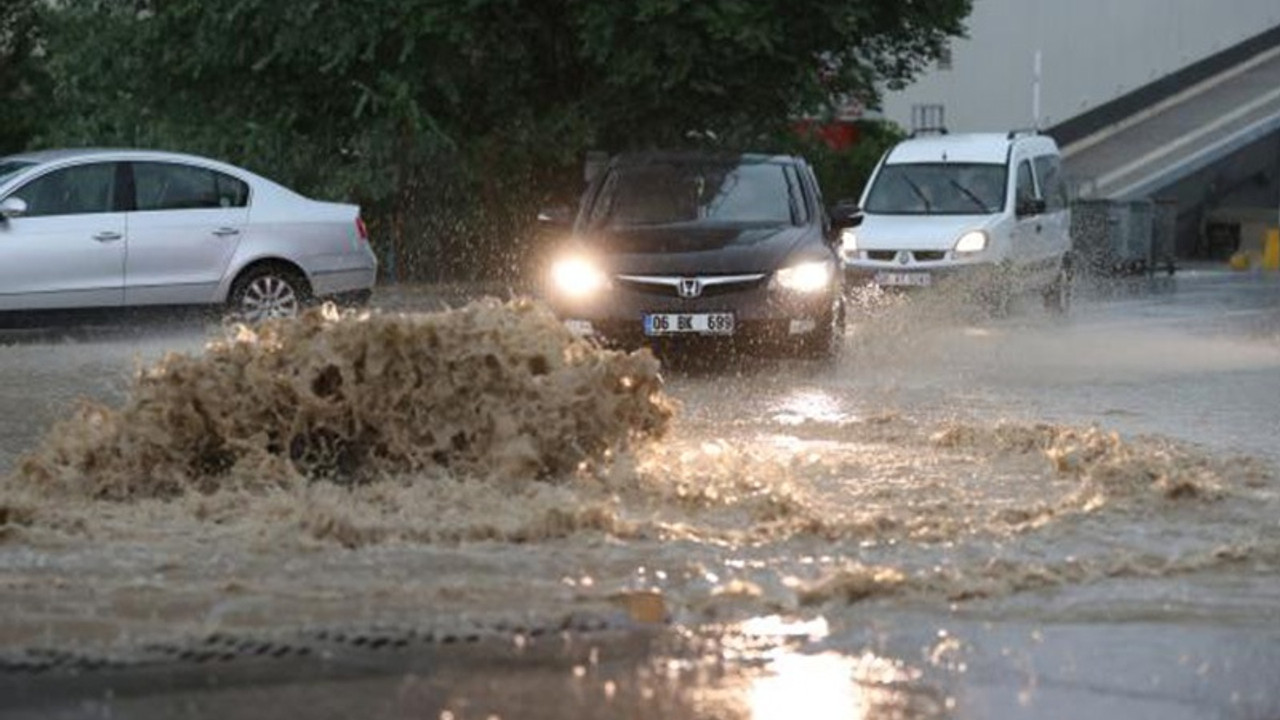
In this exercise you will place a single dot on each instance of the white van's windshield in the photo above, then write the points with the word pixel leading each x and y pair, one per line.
pixel 938 189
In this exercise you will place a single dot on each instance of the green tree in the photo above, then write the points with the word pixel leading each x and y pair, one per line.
pixel 844 172
pixel 450 120
pixel 22 80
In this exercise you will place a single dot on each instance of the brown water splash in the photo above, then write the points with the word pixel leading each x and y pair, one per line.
pixel 1110 466
pixel 491 389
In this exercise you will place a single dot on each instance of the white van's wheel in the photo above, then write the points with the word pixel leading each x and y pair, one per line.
pixel 996 292
pixel 1057 296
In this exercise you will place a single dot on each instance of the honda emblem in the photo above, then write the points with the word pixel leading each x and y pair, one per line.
pixel 690 287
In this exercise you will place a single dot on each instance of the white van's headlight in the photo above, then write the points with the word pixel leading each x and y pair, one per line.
pixel 806 277
pixel 577 277
pixel 972 242
pixel 849 244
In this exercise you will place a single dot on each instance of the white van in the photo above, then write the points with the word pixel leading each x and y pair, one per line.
pixel 987 206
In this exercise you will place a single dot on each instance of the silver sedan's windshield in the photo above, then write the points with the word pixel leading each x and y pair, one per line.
pixel 9 168
pixel 938 189
pixel 667 193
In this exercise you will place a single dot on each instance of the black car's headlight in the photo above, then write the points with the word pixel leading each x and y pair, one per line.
pixel 577 277
pixel 805 277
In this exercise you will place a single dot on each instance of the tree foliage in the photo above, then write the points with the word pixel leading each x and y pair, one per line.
pixel 22 80
pixel 452 118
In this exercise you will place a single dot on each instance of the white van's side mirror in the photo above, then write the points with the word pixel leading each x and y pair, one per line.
pixel 1030 206
pixel 13 207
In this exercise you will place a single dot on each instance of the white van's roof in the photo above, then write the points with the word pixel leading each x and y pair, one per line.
pixel 965 148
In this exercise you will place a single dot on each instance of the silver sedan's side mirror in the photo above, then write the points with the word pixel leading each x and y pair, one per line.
pixel 12 207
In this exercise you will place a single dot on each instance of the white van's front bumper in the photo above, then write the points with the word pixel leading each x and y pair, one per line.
pixel 913 273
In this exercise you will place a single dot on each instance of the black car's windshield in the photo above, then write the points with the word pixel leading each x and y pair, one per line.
pixel 683 192
pixel 9 168
pixel 938 189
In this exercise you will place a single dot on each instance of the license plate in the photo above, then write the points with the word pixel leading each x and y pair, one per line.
pixel 692 323
pixel 904 279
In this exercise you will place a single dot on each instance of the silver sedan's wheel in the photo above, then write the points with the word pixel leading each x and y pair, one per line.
pixel 267 293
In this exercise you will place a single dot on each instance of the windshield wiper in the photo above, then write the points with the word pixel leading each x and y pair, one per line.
pixel 969 194
pixel 928 207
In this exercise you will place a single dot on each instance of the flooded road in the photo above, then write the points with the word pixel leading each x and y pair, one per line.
pixel 961 517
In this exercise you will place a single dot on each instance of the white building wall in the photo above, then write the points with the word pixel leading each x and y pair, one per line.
pixel 1092 51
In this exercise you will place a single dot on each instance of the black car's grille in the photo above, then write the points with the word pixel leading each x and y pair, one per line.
pixel 708 288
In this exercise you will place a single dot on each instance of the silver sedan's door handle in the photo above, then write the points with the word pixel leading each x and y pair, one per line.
pixel 107 236
pixel 226 232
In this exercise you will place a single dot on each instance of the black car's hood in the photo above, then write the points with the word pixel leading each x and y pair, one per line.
pixel 692 249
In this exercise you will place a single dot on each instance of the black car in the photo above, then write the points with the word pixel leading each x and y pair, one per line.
pixel 667 247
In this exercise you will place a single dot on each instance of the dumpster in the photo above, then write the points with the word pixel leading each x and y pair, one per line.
pixel 1114 238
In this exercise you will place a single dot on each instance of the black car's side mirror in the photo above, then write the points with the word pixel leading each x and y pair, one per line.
pixel 1030 206
pixel 845 215
pixel 557 216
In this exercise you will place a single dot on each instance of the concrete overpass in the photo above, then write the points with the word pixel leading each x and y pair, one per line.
pixel 1206 139
pixel 1154 148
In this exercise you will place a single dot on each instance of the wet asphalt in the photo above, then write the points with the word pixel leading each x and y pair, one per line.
pixel 1194 357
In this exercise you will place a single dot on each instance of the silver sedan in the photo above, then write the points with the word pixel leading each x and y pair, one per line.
pixel 101 229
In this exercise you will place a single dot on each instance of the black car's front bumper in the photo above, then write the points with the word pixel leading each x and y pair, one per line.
pixel 764 314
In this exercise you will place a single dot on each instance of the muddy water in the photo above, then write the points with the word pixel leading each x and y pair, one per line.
pixel 948 471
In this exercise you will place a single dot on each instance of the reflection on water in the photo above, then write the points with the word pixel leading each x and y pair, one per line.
pixel 816 687
pixel 809 404
pixel 780 680
pixel 834 686
pixel 777 627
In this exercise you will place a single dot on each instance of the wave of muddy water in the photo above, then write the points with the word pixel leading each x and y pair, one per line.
pixel 779 489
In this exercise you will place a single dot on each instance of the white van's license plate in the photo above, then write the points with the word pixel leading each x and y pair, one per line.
pixel 904 279
pixel 695 323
